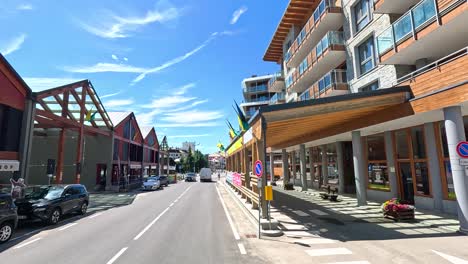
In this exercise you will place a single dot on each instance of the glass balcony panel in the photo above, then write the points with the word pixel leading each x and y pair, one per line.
pixel 423 12
pixel 385 41
pixel 402 27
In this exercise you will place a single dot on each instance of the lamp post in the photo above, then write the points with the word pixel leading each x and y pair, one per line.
pixel 165 149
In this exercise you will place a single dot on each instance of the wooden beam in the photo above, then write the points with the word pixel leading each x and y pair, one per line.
pixel 61 89
pixel 99 108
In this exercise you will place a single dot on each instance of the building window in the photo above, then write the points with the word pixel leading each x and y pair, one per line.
pixel 370 87
pixel 366 55
pixel 377 163
pixel 362 14
pixel 10 128
pixel 126 132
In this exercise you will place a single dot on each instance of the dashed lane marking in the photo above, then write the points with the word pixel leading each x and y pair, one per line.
pixel 318 212
pixel 242 248
pixel 300 213
pixel 27 243
pixel 67 226
pixel 114 258
pixel 328 252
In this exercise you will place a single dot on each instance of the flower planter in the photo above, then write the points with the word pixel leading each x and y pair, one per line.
pixel 400 215
pixel 398 210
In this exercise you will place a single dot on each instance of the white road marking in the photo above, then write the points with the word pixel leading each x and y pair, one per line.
pixel 234 230
pixel 114 258
pixel 318 212
pixel 150 224
pixel 350 262
pixel 328 252
pixel 242 248
pixel 242 207
pixel 27 243
pixel 94 215
pixel 176 200
pixel 315 241
pixel 300 213
pixel 450 258
pixel 171 204
pixel 67 226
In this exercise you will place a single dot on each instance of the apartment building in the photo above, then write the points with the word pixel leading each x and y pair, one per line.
pixel 256 93
pixel 377 94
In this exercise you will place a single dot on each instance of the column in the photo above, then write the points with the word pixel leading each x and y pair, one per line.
pixel 272 167
pixel 284 157
pixel 60 154
pixel 261 156
pixel 359 168
pixel 433 163
pixel 302 155
pixel 391 166
pixel 311 164
pixel 293 169
pixel 324 165
pixel 340 164
pixel 456 133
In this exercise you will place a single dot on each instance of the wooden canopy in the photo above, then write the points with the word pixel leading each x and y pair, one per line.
pixel 296 13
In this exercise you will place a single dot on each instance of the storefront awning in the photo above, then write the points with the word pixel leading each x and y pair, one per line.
pixel 301 122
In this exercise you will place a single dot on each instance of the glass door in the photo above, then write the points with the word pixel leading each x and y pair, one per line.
pixel 405 175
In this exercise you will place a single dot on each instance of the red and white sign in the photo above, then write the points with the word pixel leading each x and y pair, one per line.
pixel 258 168
pixel 236 179
pixel 462 149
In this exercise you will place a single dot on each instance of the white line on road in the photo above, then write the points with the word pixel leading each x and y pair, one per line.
pixel 350 262
pixel 95 215
pixel 67 226
pixel 242 248
pixel 328 252
pixel 150 224
pixel 450 258
pixel 234 230
pixel 114 258
pixel 27 243
pixel 300 213
pixel 171 204
pixel 318 212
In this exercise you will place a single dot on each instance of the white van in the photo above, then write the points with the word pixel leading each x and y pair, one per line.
pixel 205 174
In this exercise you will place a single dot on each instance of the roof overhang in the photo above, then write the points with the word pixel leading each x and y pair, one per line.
pixel 296 13
pixel 301 122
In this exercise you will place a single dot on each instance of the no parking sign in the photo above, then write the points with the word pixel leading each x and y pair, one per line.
pixel 258 168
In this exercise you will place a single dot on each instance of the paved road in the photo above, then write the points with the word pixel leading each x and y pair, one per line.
pixel 184 223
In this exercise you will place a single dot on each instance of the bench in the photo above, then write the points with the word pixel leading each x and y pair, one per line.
pixel 329 192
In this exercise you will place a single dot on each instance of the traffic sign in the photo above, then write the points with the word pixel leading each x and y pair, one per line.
pixel 462 149
pixel 258 168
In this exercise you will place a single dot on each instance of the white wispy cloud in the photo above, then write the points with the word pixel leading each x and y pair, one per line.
pixel 110 95
pixel 201 124
pixel 147 119
pixel 182 90
pixel 168 101
pixel 174 61
pixel 237 14
pixel 118 102
pixel 114 26
pixel 105 67
pixel 25 7
pixel 13 45
pixel 192 116
pixel 125 59
pixel 43 83
pixel 193 104
pixel 114 57
pixel 189 136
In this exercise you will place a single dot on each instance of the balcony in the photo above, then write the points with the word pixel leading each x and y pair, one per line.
pixel 332 84
pixel 417 34
pixel 393 6
pixel 328 16
pixel 276 84
pixel 256 89
pixel 261 99
pixel 278 98
pixel 327 55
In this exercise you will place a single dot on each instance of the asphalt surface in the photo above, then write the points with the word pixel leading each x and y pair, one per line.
pixel 184 223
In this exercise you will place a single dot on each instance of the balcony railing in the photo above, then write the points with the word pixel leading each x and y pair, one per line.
pixel 322 7
pixel 411 22
pixel 276 77
pixel 250 112
pixel 258 99
pixel 278 97
pixel 333 78
pixel 257 88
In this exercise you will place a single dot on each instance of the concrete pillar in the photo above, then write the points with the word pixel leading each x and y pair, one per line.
pixel 455 133
pixel 293 167
pixel 340 164
pixel 302 154
pixel 311 164
pixel 284 157
pixel 433 164
pixel 272 168
pixel 392 176
pixel 26 141
pixel 110 162
pixel 324 165
pixel 359 168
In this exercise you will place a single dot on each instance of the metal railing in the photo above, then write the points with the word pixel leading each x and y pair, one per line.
pixel 330 79
pixel 278 97
pixel 259 99
pixel 257 88
pixel 276 77
pixel 407 25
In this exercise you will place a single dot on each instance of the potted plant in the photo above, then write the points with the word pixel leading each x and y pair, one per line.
pixel 398 209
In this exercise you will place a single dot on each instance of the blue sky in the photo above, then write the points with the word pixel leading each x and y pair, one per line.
pixel 177 64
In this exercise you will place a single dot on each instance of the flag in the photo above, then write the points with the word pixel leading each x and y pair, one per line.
pixel 243 124
pixel 232 132
pixel 90 116
pixel 220 146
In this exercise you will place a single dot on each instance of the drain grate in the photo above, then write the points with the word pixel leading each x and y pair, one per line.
pixel 331 220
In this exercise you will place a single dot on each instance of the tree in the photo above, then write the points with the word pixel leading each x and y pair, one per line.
pixel 200 160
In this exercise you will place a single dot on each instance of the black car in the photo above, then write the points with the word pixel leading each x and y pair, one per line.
pixel 49 203
pixel 163 180
pixel 8 217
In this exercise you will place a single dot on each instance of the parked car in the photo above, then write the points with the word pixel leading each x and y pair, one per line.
pixel 49 203
pixel 190 177
pixel 163 180
pixel 8 217
pixel 151 184
pixel 205 174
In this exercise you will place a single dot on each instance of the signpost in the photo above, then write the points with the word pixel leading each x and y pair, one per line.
pixel 258 170
pixel 462 150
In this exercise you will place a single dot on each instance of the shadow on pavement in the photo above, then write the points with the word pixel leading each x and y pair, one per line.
pixel 345 221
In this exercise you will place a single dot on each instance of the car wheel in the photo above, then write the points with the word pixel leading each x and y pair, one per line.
pixel 83 208
pixel 54 216
pixel 6 232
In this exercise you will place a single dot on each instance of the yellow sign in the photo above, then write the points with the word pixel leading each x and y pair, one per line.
pixel 268 193
pixel 237 145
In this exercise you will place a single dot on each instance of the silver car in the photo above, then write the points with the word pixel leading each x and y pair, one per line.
pixel 151 184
